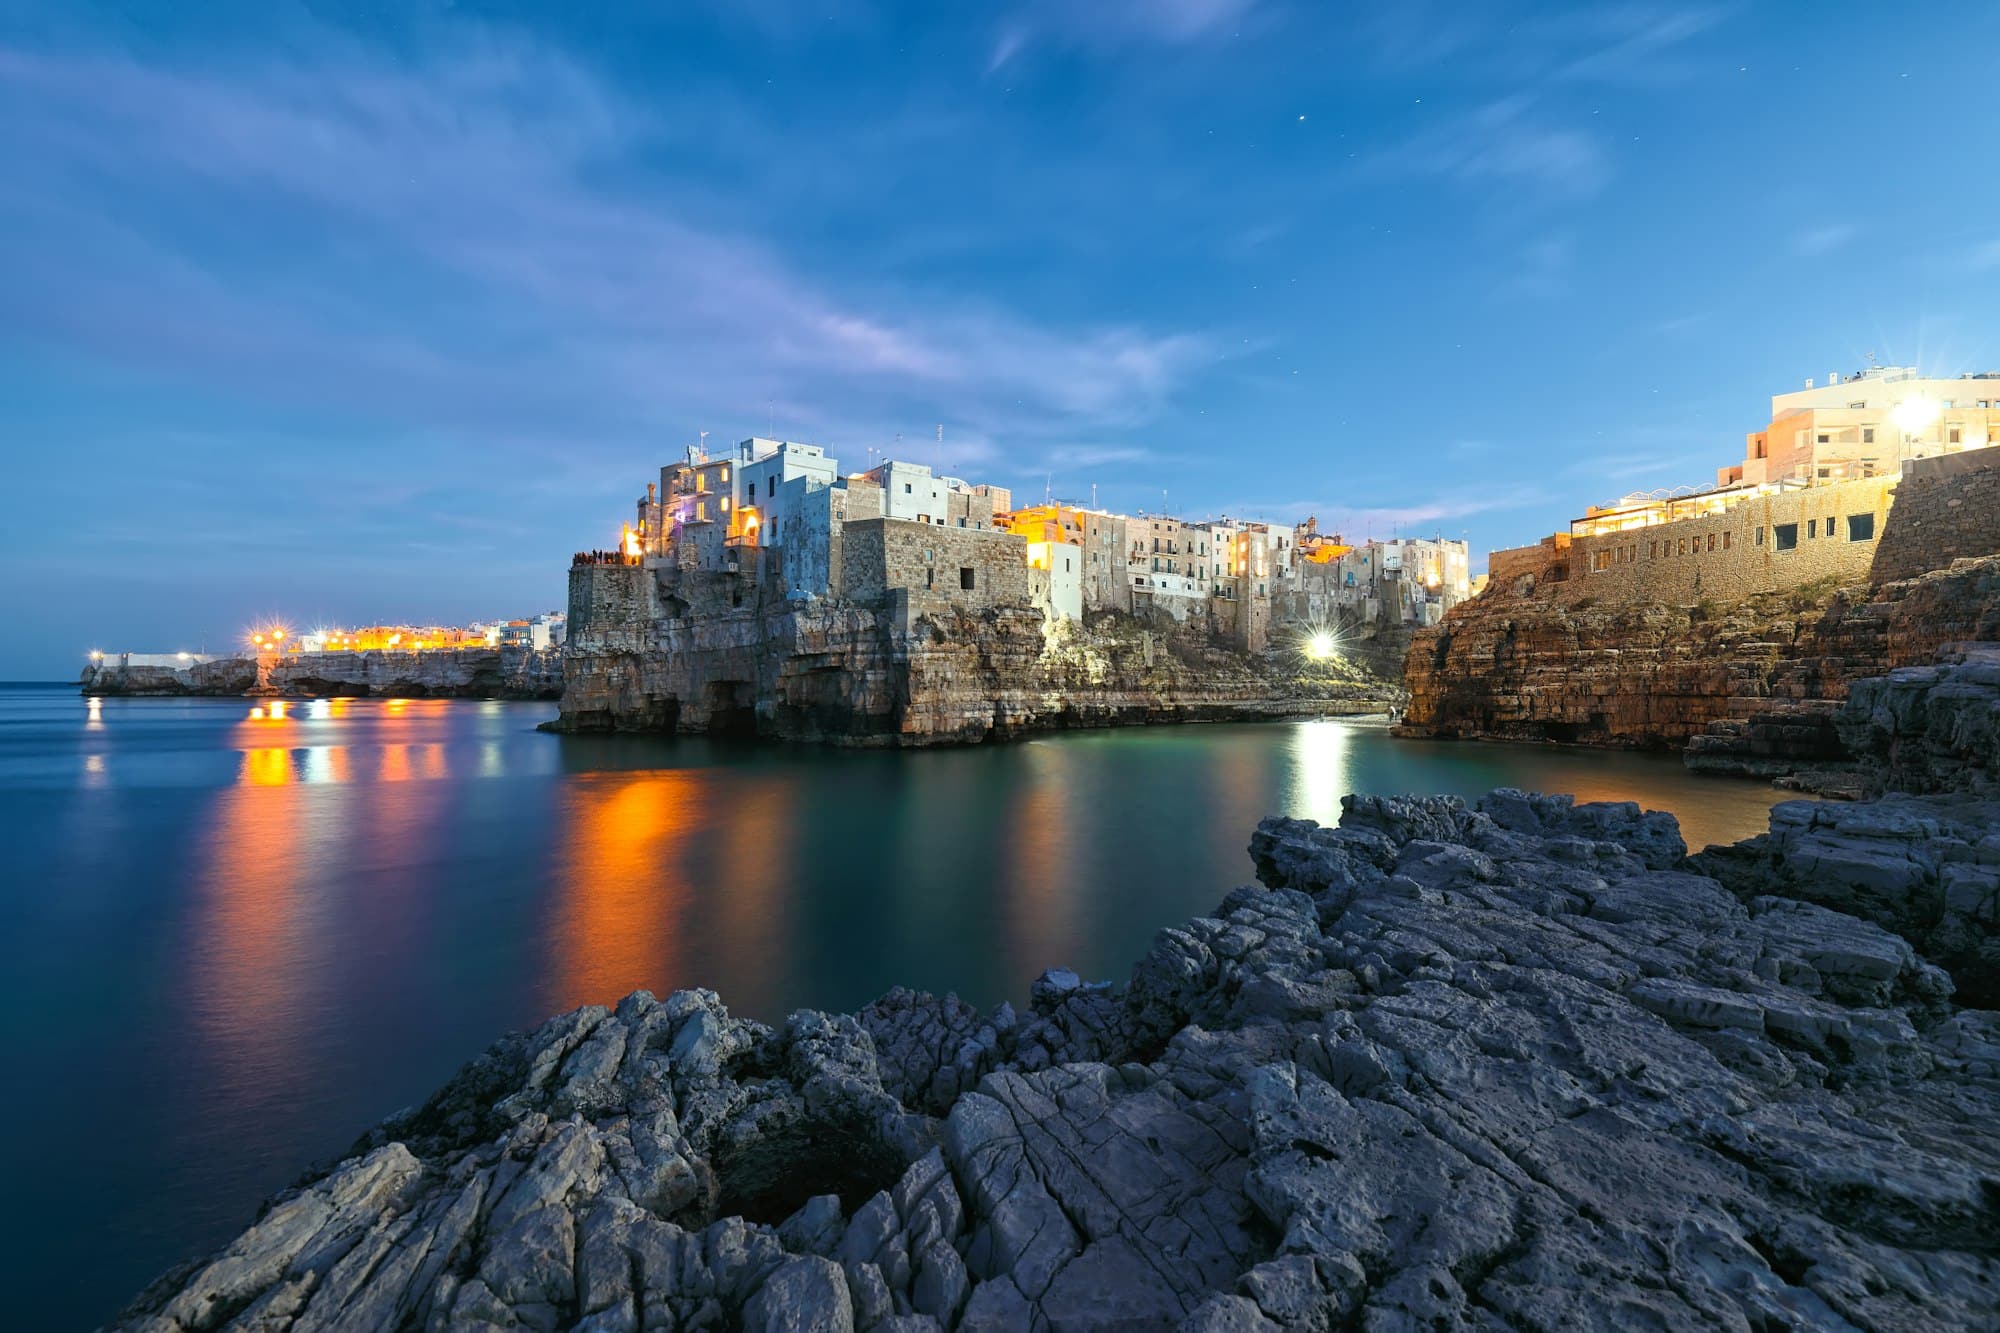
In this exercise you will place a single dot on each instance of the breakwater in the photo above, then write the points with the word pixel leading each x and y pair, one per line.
pixel 437 673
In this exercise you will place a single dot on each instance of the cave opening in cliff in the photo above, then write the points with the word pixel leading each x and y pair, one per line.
pixel 732 708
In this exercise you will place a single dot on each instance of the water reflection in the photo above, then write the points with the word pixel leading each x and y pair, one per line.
pixel 1039 891
pixel 618 911
pixel 1322 770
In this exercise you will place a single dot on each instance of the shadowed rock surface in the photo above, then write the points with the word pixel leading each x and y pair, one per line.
pixel 1455 1066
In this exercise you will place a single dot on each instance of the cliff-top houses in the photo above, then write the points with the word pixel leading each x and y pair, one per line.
pixel 1807 502
pixel 780 514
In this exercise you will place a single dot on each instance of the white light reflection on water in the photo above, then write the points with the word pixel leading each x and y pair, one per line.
pixel 1323 769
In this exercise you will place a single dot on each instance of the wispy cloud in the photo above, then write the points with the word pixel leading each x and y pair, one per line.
pixel 461 259
pixel 1822 240
pixel 1107 24
pixel 1506 142
pixel 1543 269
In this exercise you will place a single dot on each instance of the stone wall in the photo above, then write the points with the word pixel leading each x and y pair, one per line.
pixel 1735 554
pixel 1946 508
pixel 960 567
pixel 609 598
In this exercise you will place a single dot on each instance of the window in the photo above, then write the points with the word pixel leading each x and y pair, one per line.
pixel 1683 546
pixel 1653 551
pixel 1954 435
pixel 770 487
pixel 929 576
pixel 1711 541
pixel 906 488
pixel 1868 435
pixel 1861 527
pixel 1812 527
pixel 1826 439
pixel 1825 472
pixel 1600 561
pixel 1727 540
pixel 1760 536
pixel 1785 536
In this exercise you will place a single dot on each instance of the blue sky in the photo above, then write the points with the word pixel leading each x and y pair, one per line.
pixel 379 310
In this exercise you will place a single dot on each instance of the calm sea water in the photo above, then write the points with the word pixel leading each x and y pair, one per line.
pixel 232 936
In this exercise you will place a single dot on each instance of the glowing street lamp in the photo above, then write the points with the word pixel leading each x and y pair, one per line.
pixel 1915 414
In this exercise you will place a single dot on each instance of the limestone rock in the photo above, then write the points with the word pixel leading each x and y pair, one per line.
pixel 1452 1065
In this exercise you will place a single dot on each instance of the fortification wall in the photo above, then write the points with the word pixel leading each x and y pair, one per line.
pixel 609 599
pixel 1766 544
pixel 1946 509
pixel 960 567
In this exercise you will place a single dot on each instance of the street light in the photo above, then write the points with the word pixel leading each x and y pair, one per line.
pixel 1914 415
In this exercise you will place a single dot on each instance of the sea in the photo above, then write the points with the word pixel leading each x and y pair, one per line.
pixel 235 933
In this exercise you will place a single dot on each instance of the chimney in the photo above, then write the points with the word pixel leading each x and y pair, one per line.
pixel 652 484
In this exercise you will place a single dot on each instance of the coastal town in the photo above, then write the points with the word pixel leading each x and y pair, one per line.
pixel 722 601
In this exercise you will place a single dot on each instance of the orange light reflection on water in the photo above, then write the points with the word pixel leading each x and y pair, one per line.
pixel 619 917
pixel 1040 889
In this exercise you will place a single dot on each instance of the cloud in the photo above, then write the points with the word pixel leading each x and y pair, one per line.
pixel 1543 269
pixel 1112 24
pixel 1436 510
pixel 473 239
pixel 1824 240
pixel 1507 142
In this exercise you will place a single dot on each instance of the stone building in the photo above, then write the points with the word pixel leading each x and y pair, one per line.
pixel 1101 541
pixel 1808 502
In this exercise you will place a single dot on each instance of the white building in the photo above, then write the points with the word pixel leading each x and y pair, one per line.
pixel 1055 579
pixel 911 491
pixel 759 482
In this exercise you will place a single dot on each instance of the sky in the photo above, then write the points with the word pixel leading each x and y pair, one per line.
pixel 376 311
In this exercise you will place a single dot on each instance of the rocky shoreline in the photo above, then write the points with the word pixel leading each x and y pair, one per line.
pixel 1519 1062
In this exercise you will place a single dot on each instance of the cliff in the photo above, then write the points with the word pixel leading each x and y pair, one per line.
pixel 1748 684
pixel 1650 675
pixel 455 673
pixel 1447 1067
pixel 858 675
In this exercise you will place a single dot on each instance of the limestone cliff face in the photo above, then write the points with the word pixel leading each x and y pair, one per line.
pixel 1647 675
pixel 835 671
